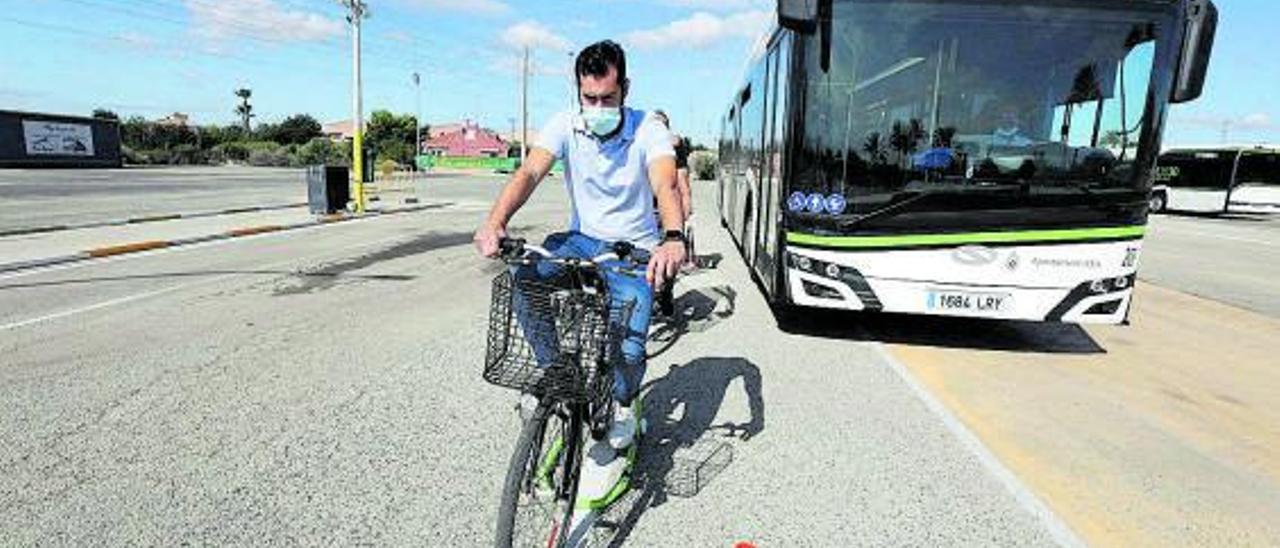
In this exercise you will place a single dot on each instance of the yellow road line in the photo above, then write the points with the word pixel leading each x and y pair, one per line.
pixel 255 230
pixel 126 248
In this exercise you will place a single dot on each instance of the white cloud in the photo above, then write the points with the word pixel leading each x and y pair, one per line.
pixel 702 29
pixel 718 5
pixel 511 64
pixel 228 19
pixel 533 34
pixel 137 40
pixel 400 36
pixel 1254 121
pixel 481 7
pixel 1257 120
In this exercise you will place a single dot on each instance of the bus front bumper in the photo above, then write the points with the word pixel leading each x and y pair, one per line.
pixel 820 284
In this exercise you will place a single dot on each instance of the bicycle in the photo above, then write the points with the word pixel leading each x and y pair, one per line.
pixel 555 340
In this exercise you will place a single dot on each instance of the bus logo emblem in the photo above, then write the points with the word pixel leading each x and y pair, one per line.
pixel 836 204
pixel 796 202
pixel 816 203
pixel 974 255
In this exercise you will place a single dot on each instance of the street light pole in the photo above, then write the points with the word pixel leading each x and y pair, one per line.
pixel 357 11
pixel 524 106
pixel 417 122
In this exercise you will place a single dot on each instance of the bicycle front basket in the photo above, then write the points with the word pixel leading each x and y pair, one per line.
pixel 546 338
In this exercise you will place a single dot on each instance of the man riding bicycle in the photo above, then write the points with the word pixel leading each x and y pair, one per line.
pixel 617 160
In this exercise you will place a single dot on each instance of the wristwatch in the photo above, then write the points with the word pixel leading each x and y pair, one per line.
pixel 673 236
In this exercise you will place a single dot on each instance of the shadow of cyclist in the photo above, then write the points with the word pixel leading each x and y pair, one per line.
pixel 680 409
pixel 696 311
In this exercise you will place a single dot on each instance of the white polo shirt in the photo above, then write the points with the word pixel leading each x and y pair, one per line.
pixel 608 182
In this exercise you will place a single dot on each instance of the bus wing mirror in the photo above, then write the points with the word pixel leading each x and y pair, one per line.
pixel 1197 44
pixel 798 15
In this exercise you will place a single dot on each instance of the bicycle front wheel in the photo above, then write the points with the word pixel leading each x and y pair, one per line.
pixel 542 481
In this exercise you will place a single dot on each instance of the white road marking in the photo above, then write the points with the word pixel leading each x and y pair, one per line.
pixel 1057 529
pixel 140 296
pixel 105 304
pixel 174 249
pixel 1187 229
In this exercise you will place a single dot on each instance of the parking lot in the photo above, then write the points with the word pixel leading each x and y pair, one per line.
pixel 321 386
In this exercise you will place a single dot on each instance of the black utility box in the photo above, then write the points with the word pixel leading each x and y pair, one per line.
pixel 328 188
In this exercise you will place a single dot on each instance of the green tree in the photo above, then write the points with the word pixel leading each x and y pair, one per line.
pixel 141 135
pixel 391 136
pixel 298 129
pixel 214 136
pixel 104 114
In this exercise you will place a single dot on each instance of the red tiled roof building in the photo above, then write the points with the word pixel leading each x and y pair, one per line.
pixel 465 139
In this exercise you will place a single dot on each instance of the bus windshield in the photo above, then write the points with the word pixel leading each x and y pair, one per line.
pixel 962 115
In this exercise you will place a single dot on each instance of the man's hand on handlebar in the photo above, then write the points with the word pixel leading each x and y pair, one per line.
pixel 487 240
pixel 664 263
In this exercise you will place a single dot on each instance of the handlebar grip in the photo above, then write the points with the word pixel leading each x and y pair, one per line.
pixel 623 249
pixel 511 246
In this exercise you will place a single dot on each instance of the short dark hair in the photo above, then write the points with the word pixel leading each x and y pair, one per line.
pixel 595 60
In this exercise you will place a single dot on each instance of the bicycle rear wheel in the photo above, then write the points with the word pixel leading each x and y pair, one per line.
pixel 542 480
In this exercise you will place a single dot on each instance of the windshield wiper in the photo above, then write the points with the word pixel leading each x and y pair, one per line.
pixel 900 201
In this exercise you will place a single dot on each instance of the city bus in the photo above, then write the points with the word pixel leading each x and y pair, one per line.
pixel 1221 179
pixel 974 158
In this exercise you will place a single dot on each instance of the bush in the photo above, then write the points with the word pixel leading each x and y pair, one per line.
pixel 155 157
pixel 277 156
pixel 322 152
pixel 186 155
pixel 387 167
pixel 704 165
pixel 230 152
pixel 132 156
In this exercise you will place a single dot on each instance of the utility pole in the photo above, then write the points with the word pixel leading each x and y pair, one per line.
pixel 573 81
pixel 357 10
pixel 524 106
pixel 417 119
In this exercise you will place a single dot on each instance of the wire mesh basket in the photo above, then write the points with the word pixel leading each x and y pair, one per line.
pixel 552 339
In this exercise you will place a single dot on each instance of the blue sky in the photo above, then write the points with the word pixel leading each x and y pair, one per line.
pixel 152 57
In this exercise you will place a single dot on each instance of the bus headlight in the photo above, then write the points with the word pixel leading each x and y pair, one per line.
pixel 804 263
pixel 1098 287
pixel 833 271
pixel 1121 282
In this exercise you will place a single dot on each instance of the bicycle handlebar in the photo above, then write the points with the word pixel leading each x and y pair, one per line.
pixel 518 250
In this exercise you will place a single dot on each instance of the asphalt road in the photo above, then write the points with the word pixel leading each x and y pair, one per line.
pixel 322 387
pixel 37 197
pixel 1232 259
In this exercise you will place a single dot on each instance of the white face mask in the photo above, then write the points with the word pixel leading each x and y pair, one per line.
pixel 602 120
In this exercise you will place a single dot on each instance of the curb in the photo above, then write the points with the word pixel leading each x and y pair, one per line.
pixel 151 245
pixel 145 219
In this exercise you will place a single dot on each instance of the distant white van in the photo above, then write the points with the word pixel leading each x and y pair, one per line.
pixel 1218 180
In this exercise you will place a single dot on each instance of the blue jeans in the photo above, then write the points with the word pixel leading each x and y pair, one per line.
pixel 628 375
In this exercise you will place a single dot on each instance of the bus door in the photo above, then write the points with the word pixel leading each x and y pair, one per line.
pixel 769 208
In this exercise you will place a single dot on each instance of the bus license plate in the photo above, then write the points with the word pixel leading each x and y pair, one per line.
pixel 964 301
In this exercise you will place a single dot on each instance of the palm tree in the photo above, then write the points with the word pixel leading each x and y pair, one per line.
pixel 943 137
pixel 874 147
pixel 905 138
pixel 244 109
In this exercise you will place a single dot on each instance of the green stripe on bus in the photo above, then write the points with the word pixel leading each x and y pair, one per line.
pixel 913 240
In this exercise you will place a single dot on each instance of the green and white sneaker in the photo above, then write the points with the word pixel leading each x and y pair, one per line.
pixel 605 475
pixel 623 428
